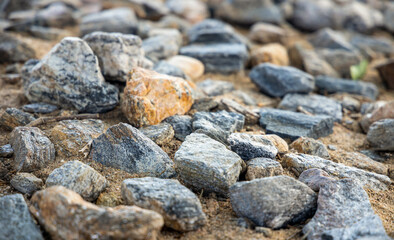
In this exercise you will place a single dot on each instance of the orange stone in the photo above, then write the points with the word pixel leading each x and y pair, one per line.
pixel 150 97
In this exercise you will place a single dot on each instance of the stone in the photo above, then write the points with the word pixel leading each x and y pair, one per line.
pixel 277 81
pixel 152 10
pixel 302 162
pixel 267 232
pixel 279 143
pixel 26 183
pixel 46 33
pixel 386 73
pixel 378 112
pixel 192 10
pixel 161 133
pixel 13 117
pixel 381 135
pixel 122 20
pixel 344 212
pixel 336 85
pixel 249 146
pixel 6 151
pixel 217 125
pixel 266 33
pixel 375 44
pixel 65 215
pixel 310 146
pixel 15 219
pixel 273 202
pixel 218 58
pixel 192 67
pixel 57 14
pixel 312 103
pixel 389 18
pixel 117 53
pixel 125 147
pixel 312 16
pixel 361 161
pixel 293 125
pixel 251 117
pixel 206 164
pixel 32 149
pixel 215 87
pixel 349 103
pixel 70 79
pixel 274 53
pixel 161 46
pixel 375 155
pixel 150 97
pixel 180 207
pixel 166 68
pixel 13 50
pixel 39 108
pixel 181 124
pixel 330 39
pixel 12 79
pixel 174 21
pixel 340 60
pixel 315 178
pixel 262 167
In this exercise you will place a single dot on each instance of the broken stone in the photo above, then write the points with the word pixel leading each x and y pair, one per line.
pixel 6 151
pixel 249 146
pixel 14 50
pixel 161 133
pixel 328 38
pixel 340 60
pixel 386 72
pixel 205 104
pixel 162 46
pixel 164 67
pixel 315 178
pixel 279 143
pixel 274 53
pixel 215 87
pixel 190 66
pixel 310 146
pixel 192 10
pixel 361 161
pixel 378 111
pixel 381 135
pixel 12 118
pixel 263 167
pixel 26 183
pixel 251 117
pixel 182 125
pixel 266 33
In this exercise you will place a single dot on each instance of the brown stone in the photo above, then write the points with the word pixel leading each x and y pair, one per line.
pixel 266 33
pixel 382 112
pixel 279 143
pixel 386 71
pixel 361 161
pixel 274 53
pixel 192 67
pixel 65 215
pixel 310 146
pixel 150 97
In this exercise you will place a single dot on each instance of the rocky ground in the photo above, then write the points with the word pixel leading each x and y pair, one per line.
pixel 196 119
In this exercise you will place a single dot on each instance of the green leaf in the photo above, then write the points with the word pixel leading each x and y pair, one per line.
pixel 359 70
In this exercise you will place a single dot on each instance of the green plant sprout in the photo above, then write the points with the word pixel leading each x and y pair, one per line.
pixel 358 71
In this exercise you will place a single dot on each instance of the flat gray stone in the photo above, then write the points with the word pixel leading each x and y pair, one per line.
pixel 215 87
pixel 315 178
pixel 340 60
pixel 273 202
pixel 39 108
pixel 206 164
pixel 249 146
pixel 161 133
pixel 26 183
pixel 6 151
pixel 310 146
pixel 182 125
pixel 376 44
pixel 328 38
pixel 263 167
pixel 210 31
pixel 381 135
pixel 179 206
pixel 164 67
pixel 13 117
pixel 161 47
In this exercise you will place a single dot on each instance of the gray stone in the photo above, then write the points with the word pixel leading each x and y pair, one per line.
pixel 381 135
pixel 344 212
pixel 207 165
pixel 45 33
pixel 218 58
pixel 32 149
pixel 310 146
pixel 292 125
pixel 26 183
pixel 39 108
pixel 361 161
pixel 6 151
pixel 56 14
pixel 315 104
pixel 152 10
pixel 13 50
pixel 78 177
pixel 164 67
pixel 122 20
pixel 161 133
pixel 277 81
pixel 125 147
pixel 215 87
pixel 328 38
pixel 302 162
pixel 117 53
pixel 376 44
pixel 211 31
pixel 311 16
pixel 15 219
pixel 180 207
pixel 161 47
pixel 217 125
pixel 182 125
pixel 205 104
pixel 273 202
pixel 263 167
pixel 315 178
pixel 389 18
pixel 251 116
pixel 249 146
pixel 336 85
pixel 375 155
pixel 340 60
pixel 13 117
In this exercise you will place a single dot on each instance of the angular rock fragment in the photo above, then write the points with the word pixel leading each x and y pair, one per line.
pixel 340 60
pixel 251 117
pixel 13 50
pixel 315 178
pixel 12 118
pixel 190 66
pixel 56 14
pixel 310 146
pixel 65 215
pixel 164 67
pixel 378 44
pixel 361 161
pixel 26 183
pixel 381 135
pixel 279 143
pixel 182 125
pixel 124 147
pixel 39 108
pixel 180 207
pixel 377 111
pixel 215 87
pixel 206 164
pixel 161 133
pixel 162 46
pixel 328 38
pixel 249 146
pixel 273 202
pixel 263 167
pixel 79 178
pixel 312 16
pixel 6 151
pixel 152 10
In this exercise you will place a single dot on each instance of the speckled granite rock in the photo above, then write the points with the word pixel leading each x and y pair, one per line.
pixel 12 118
pixel 310 146
pixel 182 125
pixel 263 167
pixel 161 133
pixel 26 183
pixel 249 146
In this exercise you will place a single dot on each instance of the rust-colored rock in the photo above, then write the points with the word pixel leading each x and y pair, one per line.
pixel 65 215
pixel 150 97
pixel 274 53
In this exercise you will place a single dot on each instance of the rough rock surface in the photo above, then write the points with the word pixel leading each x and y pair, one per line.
pixel 26 183
pixel 379 111
pixel 279 143
pixel 124 147
pixel 263 167
pixel 293 125
pixel 150 97
pixel 310 146
pixel 277 81
pixel 315 178
pixel 6 151
pixel 361 161
pixel 381 135
pixel 190 66
pixel 32 149
pixel 215 87
pixel 161 133
pixel 182 125
pixel 273 202
pixel 13 50
pixel 312 16
pixel 12 118
pixel 162 46
pixel 164 67
pixel 65 215
pixel 192 10
pixel 180 207
pixel 39 108
pixel 70 79
pixel 204 163
pixel 340 60
pixel 330 39
pixel 79 178
pixel 249 146
pixel 15 219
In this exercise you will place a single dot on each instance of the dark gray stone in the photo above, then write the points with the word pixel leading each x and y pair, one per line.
pixel 161 47
pixel 263 167
pixel 211 31
pixel 206 164
pixel 381 135
pixel 315 178
pixel 26 183
pixel 217 125
pixel 45 33
pixel 277 81
pixel 169 69
pixel 179 206
pixel 182 125
pixel 205 104
pixel 315 104
pixel 6 151
pixel 70 77
pixel 344 212
pixel 311 16
pixel 292 125
pixel 13 50
pixel 375 155
pixel 39 108
pixel 13 117
pixel 15 219
pixel 340 60
pixel 376 44
pixel 249 146
pixel 215 87
pixel 335 85
pixel 328 38
pixel 273 202
pixel 125 147
pixel 161 133
pixel 218 58
pixel 56 14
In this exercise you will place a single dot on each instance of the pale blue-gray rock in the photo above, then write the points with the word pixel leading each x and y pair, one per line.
pixel 262 167
pixel 249 146
pixel 277 81
pixel 13 50
pixel 13 117
pixel 389 18
pixel 328 38
pixel 311 16
pixel 376 44
pixel 56 15
pixel 211 31
pixel 161 133
pixel 26 183
pixel 215 87
pixel 6 151
pixel 182 125
pixel 381 135
pixel 161 47
pixel 39 108
pixel 164 67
